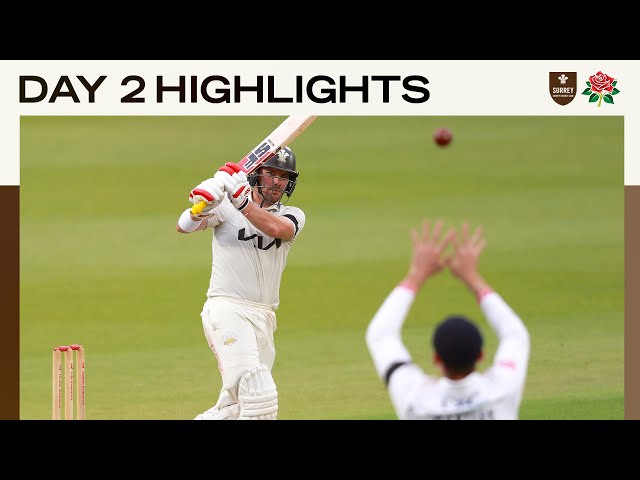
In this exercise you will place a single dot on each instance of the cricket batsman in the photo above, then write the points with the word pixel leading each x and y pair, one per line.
pixel 252 234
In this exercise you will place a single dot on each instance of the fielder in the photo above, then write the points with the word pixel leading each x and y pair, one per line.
pixel 252 235
pixel 461 393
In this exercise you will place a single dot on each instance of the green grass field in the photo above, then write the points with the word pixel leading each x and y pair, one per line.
pixel 102 264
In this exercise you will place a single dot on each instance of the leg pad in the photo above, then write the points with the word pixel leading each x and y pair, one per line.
pixel 257 395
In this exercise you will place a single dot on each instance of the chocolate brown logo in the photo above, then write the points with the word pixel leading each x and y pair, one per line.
pixel 562 86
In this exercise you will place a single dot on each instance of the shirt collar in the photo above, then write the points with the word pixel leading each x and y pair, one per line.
pixel 273 208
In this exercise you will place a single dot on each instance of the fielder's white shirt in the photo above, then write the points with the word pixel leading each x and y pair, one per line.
pixel 495 394
pixel 246 263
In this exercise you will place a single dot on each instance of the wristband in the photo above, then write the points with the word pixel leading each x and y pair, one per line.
pixel 250 207
pixel 408 287
pixel 186 223
pixel 482 293
pixel 244 204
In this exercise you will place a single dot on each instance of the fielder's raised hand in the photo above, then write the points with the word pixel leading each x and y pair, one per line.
pixel 463 264
pixel 210 191
pixel 427 258
pixel 235 184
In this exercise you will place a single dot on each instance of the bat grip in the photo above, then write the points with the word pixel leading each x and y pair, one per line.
pixel 198 207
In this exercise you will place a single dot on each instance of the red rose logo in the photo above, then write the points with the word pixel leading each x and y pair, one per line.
pixel 601 81
pixel 601 87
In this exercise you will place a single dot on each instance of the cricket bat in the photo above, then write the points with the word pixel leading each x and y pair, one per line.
pixel 281 137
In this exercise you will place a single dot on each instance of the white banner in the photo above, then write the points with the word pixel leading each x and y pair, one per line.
pixel 326 87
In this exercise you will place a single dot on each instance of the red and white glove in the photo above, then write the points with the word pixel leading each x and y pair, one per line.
pixel 235 184
pixel 210 191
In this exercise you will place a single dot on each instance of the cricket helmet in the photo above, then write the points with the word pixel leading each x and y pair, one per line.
pixel 284 160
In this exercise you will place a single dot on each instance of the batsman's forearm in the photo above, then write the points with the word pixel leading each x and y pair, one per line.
pixel 268 223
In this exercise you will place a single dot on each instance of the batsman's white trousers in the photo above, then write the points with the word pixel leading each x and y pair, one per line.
pixel 240 335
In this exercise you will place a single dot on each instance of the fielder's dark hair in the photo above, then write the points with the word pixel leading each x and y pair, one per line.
pixel 458 341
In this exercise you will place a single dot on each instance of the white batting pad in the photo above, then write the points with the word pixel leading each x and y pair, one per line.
pixel 257 395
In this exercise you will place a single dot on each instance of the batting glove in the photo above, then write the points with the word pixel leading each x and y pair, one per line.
pixel 210 191
pixel 235 184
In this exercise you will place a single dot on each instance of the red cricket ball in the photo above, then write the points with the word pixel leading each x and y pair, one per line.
pixel 442 136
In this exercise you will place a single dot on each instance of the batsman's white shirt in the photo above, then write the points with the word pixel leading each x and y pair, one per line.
pixel 415 395
pixel 247 264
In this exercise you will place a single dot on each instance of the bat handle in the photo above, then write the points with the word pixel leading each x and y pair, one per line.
pixel 198 207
